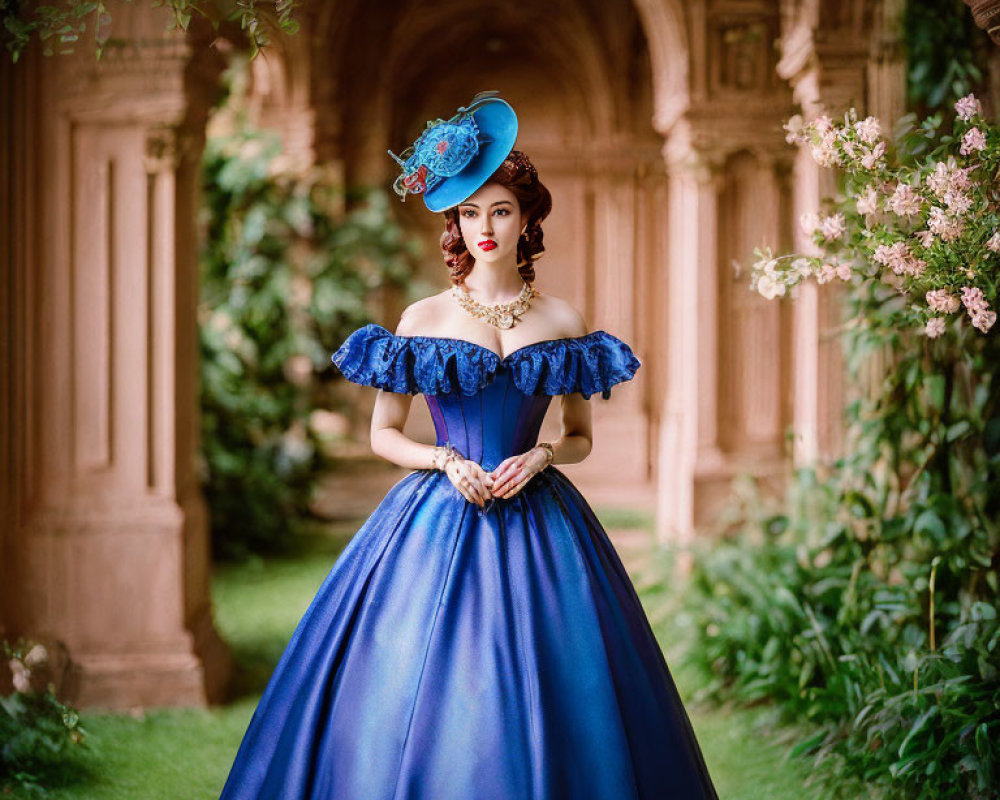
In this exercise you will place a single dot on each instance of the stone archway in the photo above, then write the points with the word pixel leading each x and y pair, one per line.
pixel 581 78
pixel 657 124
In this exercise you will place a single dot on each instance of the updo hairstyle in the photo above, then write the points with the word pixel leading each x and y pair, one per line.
pixel 519 175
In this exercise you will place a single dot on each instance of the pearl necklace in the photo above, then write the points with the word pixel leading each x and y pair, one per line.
pixel 501 315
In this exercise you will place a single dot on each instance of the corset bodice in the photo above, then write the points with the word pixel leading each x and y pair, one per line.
pixel 497 421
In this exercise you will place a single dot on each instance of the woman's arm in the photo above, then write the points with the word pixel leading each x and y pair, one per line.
pixel 577 435
pixel 387 436
pixel 389 441
pixel 391 409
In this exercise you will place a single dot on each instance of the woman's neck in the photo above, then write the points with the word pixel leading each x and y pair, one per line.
pixel 493 283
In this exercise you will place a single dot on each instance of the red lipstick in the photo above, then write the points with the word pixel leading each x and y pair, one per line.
pixel 487 244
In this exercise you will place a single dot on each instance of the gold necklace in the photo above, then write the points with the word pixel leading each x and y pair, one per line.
pixel 501 315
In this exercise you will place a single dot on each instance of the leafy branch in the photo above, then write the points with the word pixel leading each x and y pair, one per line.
pixel 62 28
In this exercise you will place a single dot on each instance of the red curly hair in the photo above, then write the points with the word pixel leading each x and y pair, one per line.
pixel 519 175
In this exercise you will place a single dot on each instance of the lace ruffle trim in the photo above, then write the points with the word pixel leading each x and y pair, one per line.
pixel 431 365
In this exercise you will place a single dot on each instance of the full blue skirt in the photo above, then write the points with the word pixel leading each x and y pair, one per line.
pixel 458 655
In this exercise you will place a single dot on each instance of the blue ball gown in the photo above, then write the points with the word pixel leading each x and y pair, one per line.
pixel 456 653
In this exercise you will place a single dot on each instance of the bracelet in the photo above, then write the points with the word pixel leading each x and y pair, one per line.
pixel 448 453
pixel 550 452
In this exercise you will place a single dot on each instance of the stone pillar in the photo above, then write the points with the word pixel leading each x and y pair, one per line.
pixel 617 472
pixel 727 401
pixel 688 419
pixel 108 551
pixel 853 60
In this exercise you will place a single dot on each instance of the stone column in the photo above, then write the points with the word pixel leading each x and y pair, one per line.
pixel 727 402
pixel 617 472
pixel 688 419
pixel 110 555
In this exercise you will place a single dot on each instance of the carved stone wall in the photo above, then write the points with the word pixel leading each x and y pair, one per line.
pixel 105 542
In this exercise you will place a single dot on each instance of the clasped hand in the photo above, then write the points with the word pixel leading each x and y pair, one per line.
pixel 479 486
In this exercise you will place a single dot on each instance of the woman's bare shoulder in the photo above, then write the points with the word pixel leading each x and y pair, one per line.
pixel 420 317
pixel 565 320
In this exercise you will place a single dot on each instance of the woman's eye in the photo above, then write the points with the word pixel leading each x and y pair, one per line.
pixel 468 213
pixel 503 211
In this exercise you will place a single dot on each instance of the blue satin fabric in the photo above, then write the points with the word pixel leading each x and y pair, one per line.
pixel 453 654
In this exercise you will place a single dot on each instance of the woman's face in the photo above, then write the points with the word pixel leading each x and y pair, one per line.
pixel 490 222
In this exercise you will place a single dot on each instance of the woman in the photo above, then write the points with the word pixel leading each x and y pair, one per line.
pixel 478 638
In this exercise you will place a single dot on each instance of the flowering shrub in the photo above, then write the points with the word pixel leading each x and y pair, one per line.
pixel 923 218
pixel 36 729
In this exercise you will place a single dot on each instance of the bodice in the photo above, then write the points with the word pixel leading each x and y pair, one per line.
pixel 486 406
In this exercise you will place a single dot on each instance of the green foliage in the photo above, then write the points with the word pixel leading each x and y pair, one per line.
pixel 37 732
pixel 946 53
pixel 285 277
pixel 867 602
pixel 60 28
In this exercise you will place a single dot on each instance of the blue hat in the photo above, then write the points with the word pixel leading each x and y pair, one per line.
pixel 453 158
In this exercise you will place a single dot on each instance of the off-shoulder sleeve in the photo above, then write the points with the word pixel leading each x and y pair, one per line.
pixel 587 364
pixel 369 356
pixel 372 356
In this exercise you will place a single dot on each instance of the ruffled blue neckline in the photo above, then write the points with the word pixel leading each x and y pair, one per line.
pixel 374 356
pixel 486 350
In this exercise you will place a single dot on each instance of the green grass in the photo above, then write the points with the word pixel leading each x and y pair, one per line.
pixel 744 748
pixel 185 754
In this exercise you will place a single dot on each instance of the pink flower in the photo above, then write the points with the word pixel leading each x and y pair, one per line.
pixel 822 123
pixel 942 301
pixel 844 271
pixel 973 141
pixel 20 675
pixel 935 327
pixel 801 268
pixel 979 310
pixel 870 160
pixel 770 286
pixel 894 256
pixel 973 300
pixel 793 129
pixel 944 225
pixel 867 203
pixel 926 238
pixel 868 129
pixel 808 223
pixel 22 682
pixel 899 259
pixel 993 243
pixel 948 177
pixel 825 153
pixel 968 107
pixel 833 227
pixel 984 320
pixel 905 202
pixel 36 656
pixel 914 266
pixel 826 273
pixel 957 202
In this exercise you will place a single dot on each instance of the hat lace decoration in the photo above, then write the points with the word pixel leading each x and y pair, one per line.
pixel 443 150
